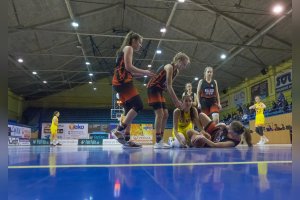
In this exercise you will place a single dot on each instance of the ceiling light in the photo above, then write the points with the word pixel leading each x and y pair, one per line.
pixel 145 76
pixel 95 88
pixel 277 9
pixel 163 30
pixel 149 66
pixel 223 56
pixel 90 74
pixel 181 1
pixel 45 82
pixel 34 73
pixel 87 63
pixel 20 60
pixel 144 84
pixel 158 51
pixel 75 24
pixel 90 82
pixel 196 78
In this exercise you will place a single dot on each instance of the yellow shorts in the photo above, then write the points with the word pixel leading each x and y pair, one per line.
pixel 259 120
pixel 53 130
pixel 183 130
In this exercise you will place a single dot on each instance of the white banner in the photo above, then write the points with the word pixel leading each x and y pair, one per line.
pixel 283 81
pixel 67 131
pixel 19 131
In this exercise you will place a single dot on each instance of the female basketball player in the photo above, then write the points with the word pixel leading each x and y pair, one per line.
pixel 189 91
pixel 208 95
pixel 53 129
pixel 123 84
pixel 259 119
pixel 163 81
pixel 183 124
pixel 222 136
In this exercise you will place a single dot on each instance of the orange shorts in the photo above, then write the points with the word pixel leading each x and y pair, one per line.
pixel 211 127
pixel 212 109
pixel 126 91
pixel 156 98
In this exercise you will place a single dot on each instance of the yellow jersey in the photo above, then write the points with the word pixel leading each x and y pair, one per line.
pixel 259 117
pixel 184 124
pixel 54 127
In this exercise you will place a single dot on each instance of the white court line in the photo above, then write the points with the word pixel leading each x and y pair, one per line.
pixel 149 164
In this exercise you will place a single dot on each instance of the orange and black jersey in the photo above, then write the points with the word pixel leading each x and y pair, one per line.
pixel 121 75
pixel 159 80
pixel 208 90
pixel 219 134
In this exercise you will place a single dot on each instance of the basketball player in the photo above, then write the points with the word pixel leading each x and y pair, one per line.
pixel 123 84
pixel 157 84
pixel 208 95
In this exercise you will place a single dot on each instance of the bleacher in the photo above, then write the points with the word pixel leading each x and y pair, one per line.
pixel 87 115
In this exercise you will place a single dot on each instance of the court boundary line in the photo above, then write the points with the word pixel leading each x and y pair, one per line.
pixel 147 164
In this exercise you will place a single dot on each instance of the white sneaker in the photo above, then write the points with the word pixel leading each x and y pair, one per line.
pixel 161 145
pixel 266 140
pixel 260 142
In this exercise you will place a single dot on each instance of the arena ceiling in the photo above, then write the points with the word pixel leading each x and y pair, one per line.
pixel 40 32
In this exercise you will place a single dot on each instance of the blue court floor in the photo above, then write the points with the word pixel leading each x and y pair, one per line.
pixel 92 173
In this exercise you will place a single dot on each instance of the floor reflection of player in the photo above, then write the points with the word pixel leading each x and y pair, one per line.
pixel 52 163
pixel 264 183
pixel 125 181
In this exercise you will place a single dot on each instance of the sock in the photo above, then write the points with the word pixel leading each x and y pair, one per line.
pixel 121 127
pixel 127 136
pixel 158 137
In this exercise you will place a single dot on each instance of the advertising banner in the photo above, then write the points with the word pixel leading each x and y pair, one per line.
pixel 67 131
pixel 19 131
pixel 141 133
pixel 283 81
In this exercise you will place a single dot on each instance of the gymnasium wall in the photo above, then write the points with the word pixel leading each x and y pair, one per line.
pixel 242 92
pixel 15 106
pixel 85 97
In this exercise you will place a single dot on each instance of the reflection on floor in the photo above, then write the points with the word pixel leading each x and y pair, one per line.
pixel 66 172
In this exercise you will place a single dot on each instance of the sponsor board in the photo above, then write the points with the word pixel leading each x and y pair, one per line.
pixel 67 131
pixel 283 81
pixel 99 136
pixel 89 142
pixel 108 142
pixel 19 131
pixel 68 142
pixel 24 142
pixel 36 142
pixel 13 141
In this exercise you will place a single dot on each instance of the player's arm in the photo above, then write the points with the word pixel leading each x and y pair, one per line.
pixel 219 144
pixel 169 80
pixel 198 93
pixel 218 95
pixel 128 54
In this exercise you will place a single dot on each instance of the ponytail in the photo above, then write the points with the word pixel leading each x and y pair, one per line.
pixel 128 40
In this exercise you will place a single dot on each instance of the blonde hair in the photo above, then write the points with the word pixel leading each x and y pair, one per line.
pixel 206 68
pixel 179 57
pixel 128 40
